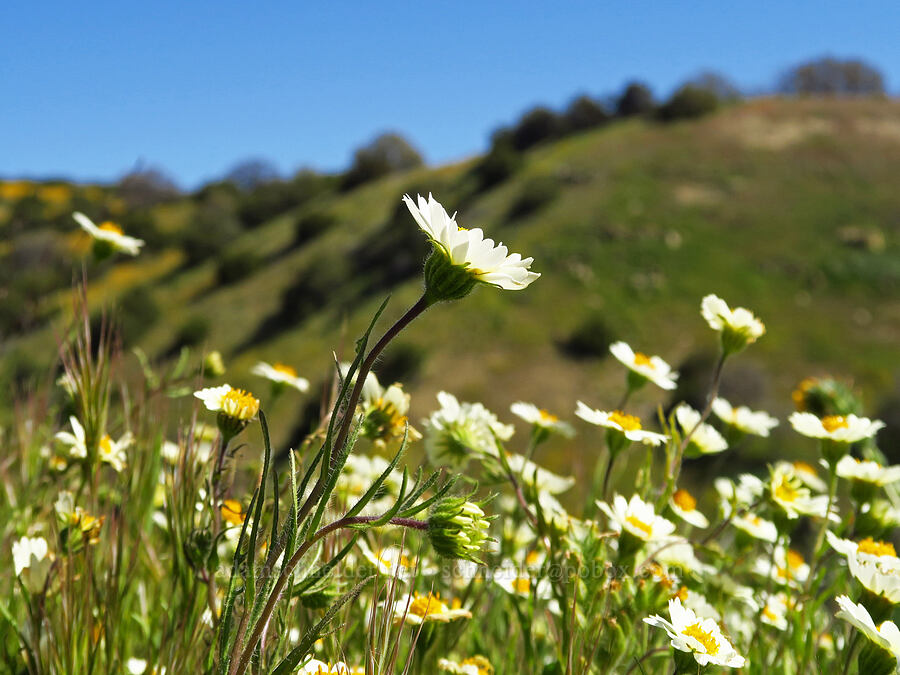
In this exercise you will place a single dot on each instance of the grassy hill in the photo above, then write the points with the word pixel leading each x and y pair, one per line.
pixel 790 208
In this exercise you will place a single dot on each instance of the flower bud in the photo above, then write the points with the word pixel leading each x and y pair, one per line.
pixel 458 528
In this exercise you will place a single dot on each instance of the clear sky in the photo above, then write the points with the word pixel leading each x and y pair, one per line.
pixel 91 89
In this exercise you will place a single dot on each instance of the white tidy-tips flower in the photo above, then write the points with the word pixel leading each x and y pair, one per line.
pixel 540 419
pixel 518 582
pixel 744 493
pixel 774 611
pixel 678 552
pixel 873 563
pixel 885 635
pixel 696 601
pixel 462 258
pixel 684 506
pixel 76 440
pixel 837 428
pixel 705 440
pixel 281 374
pixel 651 368
pixel 738 327
pixel 627 425
pixel 788 492
pixel 316 667
pixel 360 471
pixel 108 237
pixel 474 665
pixel 698 636
pixel 384 411
pixel 31 561
pixel 417 609
pixel 807 473
pixel 743 419
pixel 867 471
pixel 459 431
pixel 636 517
pixel 533 475
pixel 236 407
pixel 109 451
pixel 785 566
pixel 756 527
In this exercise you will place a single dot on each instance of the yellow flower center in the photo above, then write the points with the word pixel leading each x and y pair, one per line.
pixel 639 524
pixel 285 369
pixel 681 594
pixel 641 359
pixel 231 512
pixel 794 559
pixel 240 404
pixel 110 226
pixel 522 585
pixel 872 547
pixel 482 664
pixel 106 447
pixel 685 500
pixel 803 467
pixel 547 417
pixel 532 558
pixel 423 605
pixel 704 638
pixel 627 422
pixel 834 422
pixel 769 614
pixel 784 491
pixel 799 394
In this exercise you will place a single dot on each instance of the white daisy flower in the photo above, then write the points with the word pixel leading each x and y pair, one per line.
pixel 808 474
pixel 738 327
pixel 113 452
pixel 76 440
pixel 109 236
pixel 417 609
pixel 705 440
pixel 756 527
pixel 651 368
pixel 886 635
pixel 789 568
pixel 234 403
pixel 540 418
pixel 701 637
pixel 518 582
pixel 474 665
pixel 628 425
pixel 279 373
pixel 745 492
pixel 316 667
pixel 479 259
pixel 793 497
pixel 743 419
pixel 774 611
pixel 677 552
pixel 458 430
pixel 865 550
pixel 393 561
pixel 838 428
pixel 867 471
pixel 636 517
pixel 28 552
pixel 697 602
pixel 874 564
pixel 684 506
pixel 540 478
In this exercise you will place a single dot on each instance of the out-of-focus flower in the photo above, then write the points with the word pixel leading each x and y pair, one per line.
pixel 628 426
pixel 743 419
pixel 786 566
pixel 316 667
pixel 698 636
pixel 705 440
pixel 361 471
pixel 75 440
pixel 462 258
pixel 636 517
pixel 541 479
pixel 520 583
pixel 865 550
pixel 745 492
pixel 108 237
pixel 213 364
pixel 77 526
pixel 646 368
pixel 684 506
pixel 458 431
pixel 867 471
pixel 756 527
pixel 789 493
pixel 874 564
pixel 384 411
pixel 113 452
pixel 738 327
pixel 31 561
pixel 393 561
pixel 281 374
pixel 232 512
pixel 474 665
pixel 418 609
pixel 541 419
pixel 808 474
pixel 837 428
pixel 774 611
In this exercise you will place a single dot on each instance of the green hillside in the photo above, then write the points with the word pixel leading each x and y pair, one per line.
pixel 790 208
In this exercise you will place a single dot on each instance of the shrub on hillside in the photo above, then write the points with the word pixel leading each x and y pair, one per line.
pixel 591 338
pixel 688 102
pixel 235 265
pixel 501 162
pixel 311 225
pixel 272 199
pixel 584 113
pixel 536 193
pixel 536 126
pixel 138 311
pixel 832 77
pixel 388 153
pixel 637 99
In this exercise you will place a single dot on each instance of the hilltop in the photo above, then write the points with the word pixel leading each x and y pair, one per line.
pixel 789 207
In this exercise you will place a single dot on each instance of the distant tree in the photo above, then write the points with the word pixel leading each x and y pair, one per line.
pixel 637 99
pixel 388 153
pixel 537 125
pixel 585 113
pixel 687 102
pixel 828 76
pixel 501 161
pixel 717 84
pixel 146 187
pixel 250 173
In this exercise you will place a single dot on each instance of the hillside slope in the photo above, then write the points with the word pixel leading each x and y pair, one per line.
pixel 790 208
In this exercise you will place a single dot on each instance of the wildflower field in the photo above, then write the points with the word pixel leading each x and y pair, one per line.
pixel 142 543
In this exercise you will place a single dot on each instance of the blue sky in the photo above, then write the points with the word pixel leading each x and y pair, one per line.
pixel 92 89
